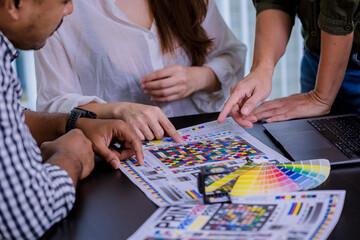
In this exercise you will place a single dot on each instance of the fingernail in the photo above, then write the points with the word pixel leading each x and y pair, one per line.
pixel 114 164
pixel 245 110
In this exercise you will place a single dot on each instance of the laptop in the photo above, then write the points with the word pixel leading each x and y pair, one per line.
pixel 336 138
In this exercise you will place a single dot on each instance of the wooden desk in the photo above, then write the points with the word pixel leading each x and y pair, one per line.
pixel 109 206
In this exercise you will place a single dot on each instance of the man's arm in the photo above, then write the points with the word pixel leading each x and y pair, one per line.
pixel 37 191
pixel 334 57
pixel 273 29
pixel 49 126
pixel 72 153
pixel 45 126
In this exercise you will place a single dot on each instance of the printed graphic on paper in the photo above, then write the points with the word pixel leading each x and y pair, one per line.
pixel 298 215
pixel 240 217
pixel 193 154
pixel 169 175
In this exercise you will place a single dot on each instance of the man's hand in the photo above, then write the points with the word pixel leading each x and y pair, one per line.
pixel 103 132
pixel 71 152
pixel 177 82
pixel 273 29
pixel 245 95
pixel 299 105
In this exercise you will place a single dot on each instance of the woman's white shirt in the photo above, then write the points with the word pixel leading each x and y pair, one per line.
pixel 99 55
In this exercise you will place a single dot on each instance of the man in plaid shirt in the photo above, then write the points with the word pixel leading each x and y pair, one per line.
pixel 37 185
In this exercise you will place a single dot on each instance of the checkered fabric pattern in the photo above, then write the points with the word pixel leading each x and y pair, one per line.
pixel 33 195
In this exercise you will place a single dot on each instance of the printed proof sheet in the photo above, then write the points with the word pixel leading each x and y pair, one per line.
pixel 169 175
pixel 296 215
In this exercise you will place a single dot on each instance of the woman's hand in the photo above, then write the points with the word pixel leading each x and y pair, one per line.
pixel 177 82
pixel 147 121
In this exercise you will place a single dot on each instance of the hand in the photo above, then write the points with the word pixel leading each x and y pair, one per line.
pixel 245 95
pixel 299 105
pixel 177 82
pixel 147 121
pixel 103 132
pixel 72 152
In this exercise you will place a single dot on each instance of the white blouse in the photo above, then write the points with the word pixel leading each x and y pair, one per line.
pixel 99 55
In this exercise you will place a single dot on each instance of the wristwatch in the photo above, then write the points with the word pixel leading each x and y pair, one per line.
pixel 75 114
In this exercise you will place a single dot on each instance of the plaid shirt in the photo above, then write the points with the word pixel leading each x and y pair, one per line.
pixel 33 195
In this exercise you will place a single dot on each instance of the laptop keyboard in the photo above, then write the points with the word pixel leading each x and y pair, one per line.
pixel 343 132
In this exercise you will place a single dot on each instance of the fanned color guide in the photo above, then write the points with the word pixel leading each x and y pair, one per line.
pixel 254 178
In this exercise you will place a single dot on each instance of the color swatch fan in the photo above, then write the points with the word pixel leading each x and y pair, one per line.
pixel 262 178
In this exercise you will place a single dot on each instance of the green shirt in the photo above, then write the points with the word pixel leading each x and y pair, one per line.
pixel 337 17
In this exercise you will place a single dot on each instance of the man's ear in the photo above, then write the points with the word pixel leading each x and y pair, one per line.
pixel 12 8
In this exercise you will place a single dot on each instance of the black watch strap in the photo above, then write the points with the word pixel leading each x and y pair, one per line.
pixel 75 114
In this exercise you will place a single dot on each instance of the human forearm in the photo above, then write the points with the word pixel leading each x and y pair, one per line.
pixel 46 191
pixel 73 168
pixel 71 152
pixel 114 110
pixel 334 57
pixel 335 51
pixel 226 58
pixel 273 29
pixel 45 126
pixel 205 79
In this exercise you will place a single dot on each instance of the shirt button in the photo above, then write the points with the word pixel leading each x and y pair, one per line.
pixel 151 36
pixel 168 112
pixel 16 55
pixel 348 27
pixel 313 33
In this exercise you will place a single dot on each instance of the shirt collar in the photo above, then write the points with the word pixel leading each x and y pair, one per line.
pixel 116 12
pixel 10 49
